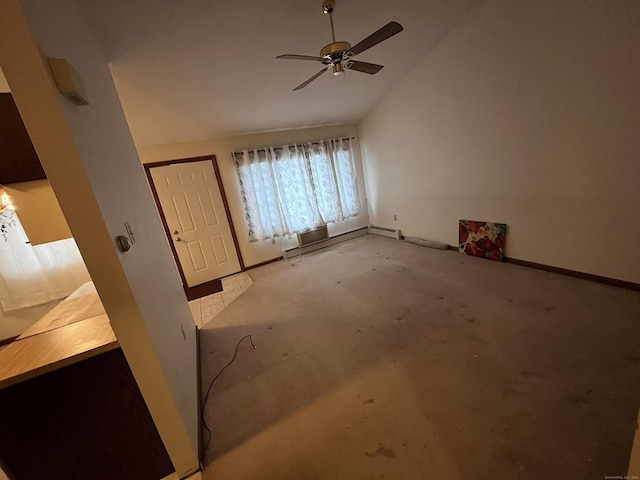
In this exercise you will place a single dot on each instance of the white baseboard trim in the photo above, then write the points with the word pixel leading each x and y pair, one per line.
pixel 385 231
pixel 295 251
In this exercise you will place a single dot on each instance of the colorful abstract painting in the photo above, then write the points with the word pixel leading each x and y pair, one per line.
pixel 482 239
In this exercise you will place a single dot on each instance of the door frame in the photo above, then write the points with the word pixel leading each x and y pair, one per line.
pixel 214 285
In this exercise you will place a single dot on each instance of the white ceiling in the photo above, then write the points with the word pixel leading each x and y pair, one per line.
pixel 194 69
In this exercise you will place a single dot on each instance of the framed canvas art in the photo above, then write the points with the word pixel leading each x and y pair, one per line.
pixel 482 239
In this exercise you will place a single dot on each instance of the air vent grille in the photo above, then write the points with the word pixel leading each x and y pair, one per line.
pixel 313 236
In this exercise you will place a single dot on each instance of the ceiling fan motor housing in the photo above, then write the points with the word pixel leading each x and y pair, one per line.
pixel 334 51
pixel 335 54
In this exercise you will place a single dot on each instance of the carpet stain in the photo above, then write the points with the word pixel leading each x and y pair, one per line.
pixel 531 375
pixel 285 354
pixel 476 339
pixel 440 297
pixel 549 309
pixel 579 401
pixel 382 451
pixel 631 359
pixel 370 400
pixel 471 320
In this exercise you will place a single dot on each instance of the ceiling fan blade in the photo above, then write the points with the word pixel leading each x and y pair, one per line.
pixel 289 56
pixel 389 30
pixel 302 85
pixel 364 67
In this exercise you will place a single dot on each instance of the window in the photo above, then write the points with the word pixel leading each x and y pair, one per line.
pixel 294 188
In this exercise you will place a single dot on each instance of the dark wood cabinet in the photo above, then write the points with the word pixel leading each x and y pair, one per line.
pixel 19 161
pixel 87 420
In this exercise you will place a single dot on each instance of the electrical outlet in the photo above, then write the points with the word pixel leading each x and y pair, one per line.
pixel 395 217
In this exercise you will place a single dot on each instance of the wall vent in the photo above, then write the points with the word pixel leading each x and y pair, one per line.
pixel 313 236
pixel 385 231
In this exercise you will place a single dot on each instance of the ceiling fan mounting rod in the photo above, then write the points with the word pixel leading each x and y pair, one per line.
pixel 327 8
pixel 333 34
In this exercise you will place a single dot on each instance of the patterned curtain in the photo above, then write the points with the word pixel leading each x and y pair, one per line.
pixel 294 188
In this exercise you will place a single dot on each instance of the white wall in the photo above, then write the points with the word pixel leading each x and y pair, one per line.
pixel 91 162
pixel 528 113
pixel 258 252
pixel 36 205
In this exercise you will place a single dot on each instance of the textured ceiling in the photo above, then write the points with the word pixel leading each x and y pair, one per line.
pixel 196 69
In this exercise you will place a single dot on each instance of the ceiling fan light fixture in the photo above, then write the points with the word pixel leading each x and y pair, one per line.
pixel 338 69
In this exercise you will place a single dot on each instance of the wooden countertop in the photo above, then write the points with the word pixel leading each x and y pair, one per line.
pixel 50 350
pixel 81 305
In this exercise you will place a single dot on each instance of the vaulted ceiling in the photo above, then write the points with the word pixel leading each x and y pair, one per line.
pixel 197 69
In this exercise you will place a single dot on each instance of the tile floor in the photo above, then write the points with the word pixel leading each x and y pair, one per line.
pixel 205 308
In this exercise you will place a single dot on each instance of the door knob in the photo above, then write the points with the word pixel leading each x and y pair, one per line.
pixel 175 232
pixel 178 239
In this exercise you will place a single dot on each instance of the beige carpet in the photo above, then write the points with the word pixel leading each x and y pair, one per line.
pixel 379 359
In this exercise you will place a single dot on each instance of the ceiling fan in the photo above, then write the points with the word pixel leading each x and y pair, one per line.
pixel 338 55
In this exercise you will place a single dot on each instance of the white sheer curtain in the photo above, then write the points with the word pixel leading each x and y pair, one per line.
pixel 294 188
pixel 341 150
pixel 32 275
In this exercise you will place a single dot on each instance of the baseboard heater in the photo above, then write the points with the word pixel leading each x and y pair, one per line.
pixel 319 238
pixel 385 231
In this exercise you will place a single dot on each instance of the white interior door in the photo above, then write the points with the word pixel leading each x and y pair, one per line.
pixel 194 211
